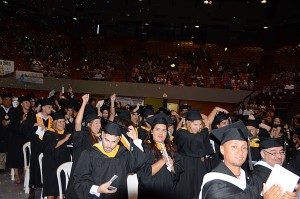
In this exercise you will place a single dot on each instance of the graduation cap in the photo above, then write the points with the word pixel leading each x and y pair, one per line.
pixel 113 128
pixel 160 118
pixel 5 95
pixel 146 112
pixel 124 114
pixel 90 117
pixel 234 131
pixel 24 98
pixel 185 106
pixel 253 123
pixel 266 143
pixel 77 106
pixel 89 109
pixel 220 117
pixel 193 115
pixel 57 116
pixel 68 105
pixel 45 102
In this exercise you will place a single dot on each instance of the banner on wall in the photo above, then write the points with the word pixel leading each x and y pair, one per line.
pixel 30 77
pixel 172 107
pixel 131 101
pixel 6 67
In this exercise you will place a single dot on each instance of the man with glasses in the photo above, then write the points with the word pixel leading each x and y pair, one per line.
pixel 272 152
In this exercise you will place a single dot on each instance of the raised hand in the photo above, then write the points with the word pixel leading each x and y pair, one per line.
pixel 85 98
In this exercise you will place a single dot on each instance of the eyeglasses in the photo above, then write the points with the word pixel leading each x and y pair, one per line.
pixel 275 152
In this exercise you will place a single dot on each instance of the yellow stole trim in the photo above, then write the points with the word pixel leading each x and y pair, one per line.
pixel 40 122
pixel 125 143
pixel 145 128
pixel 58 132
pixel 159 147
pixel 110 154
pixel 171 138
pixel 253 142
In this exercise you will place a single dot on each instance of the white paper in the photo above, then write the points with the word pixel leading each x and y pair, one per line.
pixel 40 132
pixel 100 103
pixel 283 177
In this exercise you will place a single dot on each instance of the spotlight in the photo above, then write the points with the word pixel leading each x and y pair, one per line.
pixel 266 27
pixel 263 1
pixel 75 18
pixel 172 65
pixel 197 26
pixel 205 2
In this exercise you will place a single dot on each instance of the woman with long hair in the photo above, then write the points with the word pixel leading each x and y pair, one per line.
pixel 84 136
pixel 55 153
pixel 158 177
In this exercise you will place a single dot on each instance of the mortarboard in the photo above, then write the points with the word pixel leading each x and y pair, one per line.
pixel 24 98
pixel 193 115
pixel 90 117
pixel 113 128
pixel 57 116
pixel 146 112
pixel 253 123
pixel 45 102
pixel 160 118
pixel 220 117
pixel 234 131
pixel 5 95
pixel 266 143
pixel 124 114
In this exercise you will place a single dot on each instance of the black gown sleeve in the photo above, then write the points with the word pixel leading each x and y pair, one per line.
pixel 83 176
pixel 218 189
pixel 193 145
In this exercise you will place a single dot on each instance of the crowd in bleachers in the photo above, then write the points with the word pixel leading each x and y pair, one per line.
pixel 99 63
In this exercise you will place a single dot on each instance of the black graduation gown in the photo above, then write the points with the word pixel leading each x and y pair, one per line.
pixel 95 168
pixel 81 141
pixel 295 163
pixel 53 158
pixel 218 188
pixel 162 184
pixel 261 172
pixel 142 133
pixel 6 131
pixel 36 145
pixel 192 147
pixel 17 139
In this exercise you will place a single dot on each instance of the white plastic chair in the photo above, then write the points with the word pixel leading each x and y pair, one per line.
pixel 41 171
pixel 66 167
pixel 132 186
pixel 12 173
pixel 26 147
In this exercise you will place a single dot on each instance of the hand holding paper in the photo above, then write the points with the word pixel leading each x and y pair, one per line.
pixel 283 177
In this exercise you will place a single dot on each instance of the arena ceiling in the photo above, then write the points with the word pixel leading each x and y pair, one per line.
pixel 180 18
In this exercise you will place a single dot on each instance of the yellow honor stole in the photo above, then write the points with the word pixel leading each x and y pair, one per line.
pixel 111 154
pixel 125 142
pixel 40 122
pixel 159 147
pixel 58 132
pixel 253 142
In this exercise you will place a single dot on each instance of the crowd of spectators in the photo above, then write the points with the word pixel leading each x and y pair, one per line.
pixel 99 63
pixel 242 76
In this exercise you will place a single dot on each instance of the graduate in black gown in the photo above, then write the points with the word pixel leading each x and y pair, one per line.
pixel 228 179
pixel 97 165
pixel 17 139
pixel 83 138
pixel 159 175
pixel 295 162
pixel 272 152
pixel 55 153
pixel 41 120
pixel 193 145
pixel 6 127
